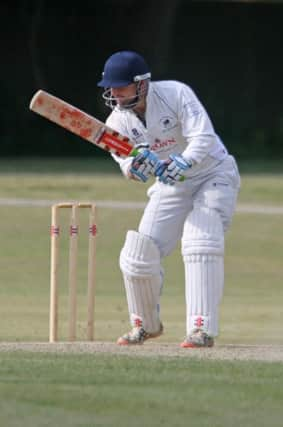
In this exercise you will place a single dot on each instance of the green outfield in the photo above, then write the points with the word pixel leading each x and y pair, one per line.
pixel 108 390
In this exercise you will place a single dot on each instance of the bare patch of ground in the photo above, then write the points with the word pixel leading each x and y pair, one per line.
pixel 266 353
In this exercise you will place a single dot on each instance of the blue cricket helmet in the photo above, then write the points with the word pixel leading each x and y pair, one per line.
pixel 123 68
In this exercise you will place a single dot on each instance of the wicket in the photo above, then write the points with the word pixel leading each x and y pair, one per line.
pixel 73 253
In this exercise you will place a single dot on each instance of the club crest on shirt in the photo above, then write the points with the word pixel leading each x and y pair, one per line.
pixel 136 133
pixel 193 108
pixel 167 123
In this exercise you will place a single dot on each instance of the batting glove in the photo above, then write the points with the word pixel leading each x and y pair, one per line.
pixel 144 165
pixel 172 170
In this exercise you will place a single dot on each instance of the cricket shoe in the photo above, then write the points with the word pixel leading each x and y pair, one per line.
pixel 197 339
pixel 138 335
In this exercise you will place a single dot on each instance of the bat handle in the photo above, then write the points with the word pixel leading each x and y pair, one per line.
pixel 135 151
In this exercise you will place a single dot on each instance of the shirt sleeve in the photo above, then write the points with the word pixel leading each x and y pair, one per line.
pixel 197 128
pixel 116 123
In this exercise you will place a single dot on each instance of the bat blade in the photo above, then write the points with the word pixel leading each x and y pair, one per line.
pixel 82 124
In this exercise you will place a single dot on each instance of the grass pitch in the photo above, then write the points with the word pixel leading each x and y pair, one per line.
pixel 112 390
pixel 96 390
pixel 251 308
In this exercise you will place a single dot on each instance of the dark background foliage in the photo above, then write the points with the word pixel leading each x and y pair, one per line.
pixel 230 53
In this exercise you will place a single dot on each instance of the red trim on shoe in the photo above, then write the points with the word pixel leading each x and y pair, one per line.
pixel 198 339
pixel 186 344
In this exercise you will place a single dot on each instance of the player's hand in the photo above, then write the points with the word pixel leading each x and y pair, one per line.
pixel 172 170
pixel 144 165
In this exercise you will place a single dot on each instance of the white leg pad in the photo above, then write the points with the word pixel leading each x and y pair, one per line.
pixel 203 250
pixel 141 269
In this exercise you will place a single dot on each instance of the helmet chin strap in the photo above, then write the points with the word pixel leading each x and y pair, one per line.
pixel 130 102
pixel 111 101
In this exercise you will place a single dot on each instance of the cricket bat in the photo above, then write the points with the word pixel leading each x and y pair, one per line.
pixel 82 124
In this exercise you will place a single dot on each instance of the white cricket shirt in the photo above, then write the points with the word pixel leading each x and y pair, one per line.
pixel 176 122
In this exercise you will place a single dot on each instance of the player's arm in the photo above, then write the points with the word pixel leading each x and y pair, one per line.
pixel 197 128
pixel 135 163
pixel 140 166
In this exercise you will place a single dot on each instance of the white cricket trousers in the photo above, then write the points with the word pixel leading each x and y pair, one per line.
pixel 199 211
pixel 169 206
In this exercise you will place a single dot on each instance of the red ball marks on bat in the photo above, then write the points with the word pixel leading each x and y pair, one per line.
pixel 75 124
pixel 77 115
pixel 64 113
pixel 85 133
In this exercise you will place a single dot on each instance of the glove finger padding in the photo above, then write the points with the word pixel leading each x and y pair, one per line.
pixel 144 165
pixel 172 170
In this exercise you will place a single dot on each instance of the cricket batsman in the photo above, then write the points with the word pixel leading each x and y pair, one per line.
pixel 192 199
